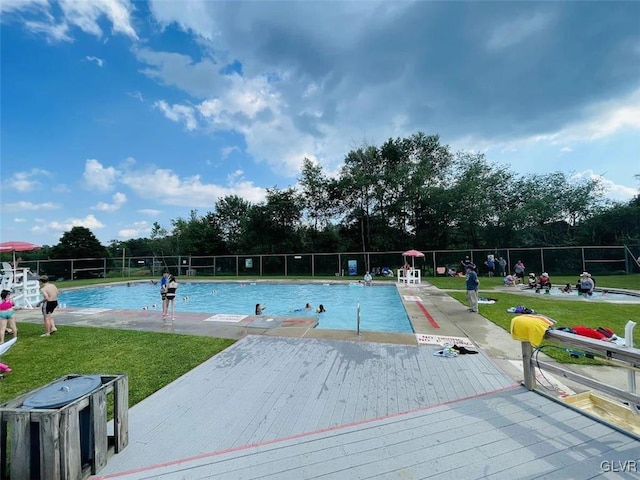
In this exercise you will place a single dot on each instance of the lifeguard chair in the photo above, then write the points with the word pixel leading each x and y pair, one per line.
pixel 24 287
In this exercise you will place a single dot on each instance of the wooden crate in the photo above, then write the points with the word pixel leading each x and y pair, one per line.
pixel 607 409
pixel 54 435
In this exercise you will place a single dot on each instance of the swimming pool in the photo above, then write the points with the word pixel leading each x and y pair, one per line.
pixel 598 295
pixel 381 309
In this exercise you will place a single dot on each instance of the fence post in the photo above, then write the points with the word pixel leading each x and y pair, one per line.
pixel 434 262
pixel 529 371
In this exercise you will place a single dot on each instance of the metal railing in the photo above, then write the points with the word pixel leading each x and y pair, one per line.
pixel 608 352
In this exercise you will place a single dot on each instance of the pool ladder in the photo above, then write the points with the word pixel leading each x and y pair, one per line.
pixel 358 319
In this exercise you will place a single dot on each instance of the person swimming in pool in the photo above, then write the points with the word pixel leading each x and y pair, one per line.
pixel 259 308
pixel 307 307
pixel 320 309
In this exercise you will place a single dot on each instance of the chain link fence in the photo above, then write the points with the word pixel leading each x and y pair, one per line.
pixel 554 260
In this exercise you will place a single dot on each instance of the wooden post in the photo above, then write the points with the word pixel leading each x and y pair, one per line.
pixel 529 371
pixel 121 413
pixel 98 406
pixel 70 461
pixel 20 427
pixel 49 442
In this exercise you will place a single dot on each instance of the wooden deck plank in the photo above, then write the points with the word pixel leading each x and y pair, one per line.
pixel 281 404
pixel 436 443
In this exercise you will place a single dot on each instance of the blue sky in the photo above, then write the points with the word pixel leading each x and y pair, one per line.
pixel 118 114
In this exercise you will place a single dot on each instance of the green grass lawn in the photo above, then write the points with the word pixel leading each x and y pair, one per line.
pixel 628 282
pixel 151 360
pixel 566 312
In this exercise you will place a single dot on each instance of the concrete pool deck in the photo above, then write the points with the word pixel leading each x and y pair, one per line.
pixel 291 401
pixel 431 311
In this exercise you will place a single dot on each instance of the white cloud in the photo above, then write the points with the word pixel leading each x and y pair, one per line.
pixel 244 98
pixel 150 212
pixel 226 151
pixel 96 60
pixel 201 79
pixel 612 190
pixel 250 106
pixel 61 188
pixel 597 121
pixel 23 206
pixel 119 199
pixel 191 15
pixel 188 191
pixel 55 32
pixel 56 24
pixel 137 95
pixel 7 6
pixel 514 31
pixel 25 181
pixel 600 120
pixel 85 15
pixel 178 113
pixel 97 177
pixel 137 230
pixel 90 222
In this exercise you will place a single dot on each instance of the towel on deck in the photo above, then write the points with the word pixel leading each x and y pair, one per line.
pixel 530 328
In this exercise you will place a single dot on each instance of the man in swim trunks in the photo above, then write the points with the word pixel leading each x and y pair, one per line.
pixel 49 303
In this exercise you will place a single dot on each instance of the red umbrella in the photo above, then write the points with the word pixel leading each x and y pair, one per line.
pixel 14 246
pixel 413 254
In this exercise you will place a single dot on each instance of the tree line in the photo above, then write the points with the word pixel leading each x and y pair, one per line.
pixel 409 192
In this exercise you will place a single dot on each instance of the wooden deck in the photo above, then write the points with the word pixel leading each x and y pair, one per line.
pixel 299 408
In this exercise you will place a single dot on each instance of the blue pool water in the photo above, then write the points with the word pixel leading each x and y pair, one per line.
pixel 381 309
pixel 598 295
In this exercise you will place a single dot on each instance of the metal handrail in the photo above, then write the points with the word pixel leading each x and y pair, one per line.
pixel 624 356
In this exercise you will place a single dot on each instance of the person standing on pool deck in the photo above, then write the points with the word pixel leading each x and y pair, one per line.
pixel 163 293
pixel 502 266
pixel 49 303
pixel 172 286
pixel 472 289
pixel 519 270
pixel 6 315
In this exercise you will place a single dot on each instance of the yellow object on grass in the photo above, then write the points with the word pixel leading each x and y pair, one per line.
pixel 530 328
